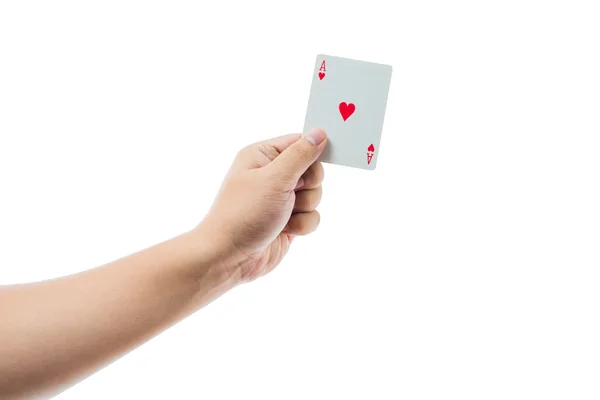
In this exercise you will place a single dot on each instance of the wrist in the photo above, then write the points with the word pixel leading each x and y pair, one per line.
pixel 216 254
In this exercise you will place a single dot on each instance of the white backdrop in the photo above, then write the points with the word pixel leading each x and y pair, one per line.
pixel 466 266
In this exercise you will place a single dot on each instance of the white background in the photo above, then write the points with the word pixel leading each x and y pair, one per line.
pixel 466 266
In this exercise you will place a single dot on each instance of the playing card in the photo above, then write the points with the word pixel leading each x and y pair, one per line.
pixel 348 100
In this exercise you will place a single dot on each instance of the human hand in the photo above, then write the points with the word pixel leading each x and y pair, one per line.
pixel 268 197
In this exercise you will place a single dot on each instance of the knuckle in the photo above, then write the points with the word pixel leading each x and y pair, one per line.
pixel 312 223
pixel 299 225
pixel 320 172
pixel 308 200
pixel 316 198
pixel 303 226
pixel 317 220
pixel 314 176
pixel 267 150
pixel 303 152
pixel 292 225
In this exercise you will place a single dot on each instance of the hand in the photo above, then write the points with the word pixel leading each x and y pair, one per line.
pixel 268 197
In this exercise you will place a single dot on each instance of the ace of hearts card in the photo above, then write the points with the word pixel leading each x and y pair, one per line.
pixel 348 100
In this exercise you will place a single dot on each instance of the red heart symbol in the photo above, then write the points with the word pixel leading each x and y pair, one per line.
pixel 371 148
pixel 346 110
pixel 321 75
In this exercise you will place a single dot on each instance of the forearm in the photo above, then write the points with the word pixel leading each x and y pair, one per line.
pixel 56 332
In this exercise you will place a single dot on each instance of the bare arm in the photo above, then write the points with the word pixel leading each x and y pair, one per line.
pixel 55 333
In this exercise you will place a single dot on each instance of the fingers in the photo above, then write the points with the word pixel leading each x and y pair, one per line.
pixel 295 160
pixel 312 178
pixel 307 200
pixel 305 219
pixel 259 154
pixel 303 223
pixel 282 142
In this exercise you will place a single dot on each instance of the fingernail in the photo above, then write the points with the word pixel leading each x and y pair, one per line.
pixel 299 184
pixel 316 136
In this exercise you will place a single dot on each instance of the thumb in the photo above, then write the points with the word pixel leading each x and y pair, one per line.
pixel 296 159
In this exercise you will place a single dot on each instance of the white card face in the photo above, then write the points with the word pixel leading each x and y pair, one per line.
pixel 348 100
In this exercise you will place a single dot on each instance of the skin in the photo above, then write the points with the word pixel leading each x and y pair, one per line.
pixel 55 333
